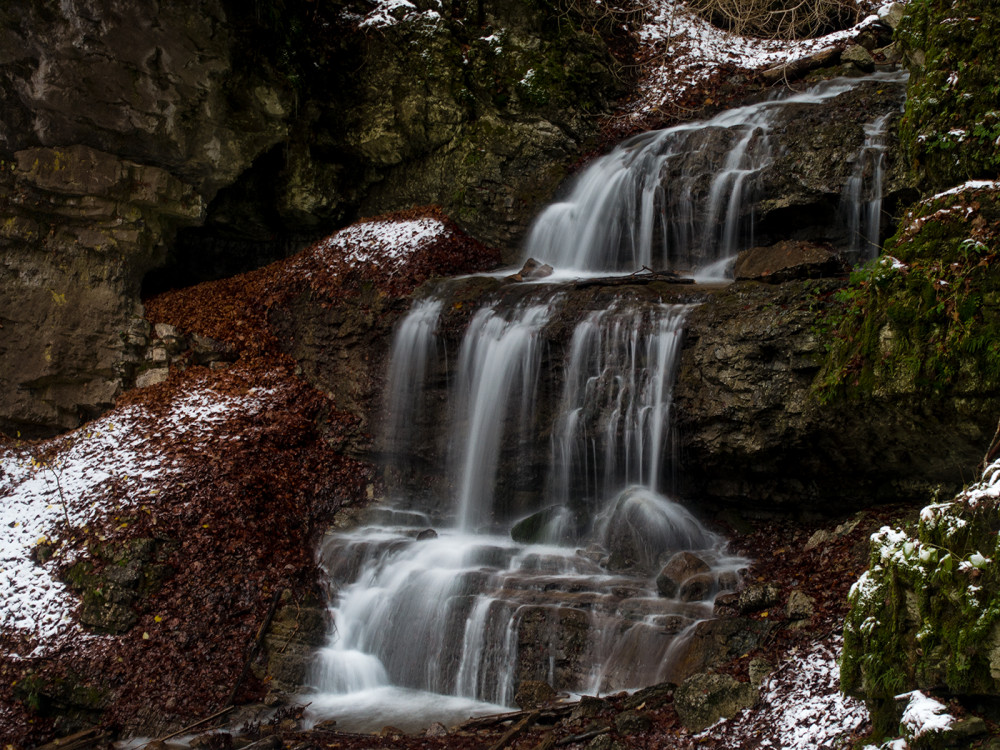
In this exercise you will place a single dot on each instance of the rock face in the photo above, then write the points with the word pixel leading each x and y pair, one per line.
pixel 705 698
pixel 754 431
pixel 123 122
pixel 786 261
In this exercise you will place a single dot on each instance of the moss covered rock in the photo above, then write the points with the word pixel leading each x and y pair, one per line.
pixel 952 119
pixel 926 615
pixel 926 317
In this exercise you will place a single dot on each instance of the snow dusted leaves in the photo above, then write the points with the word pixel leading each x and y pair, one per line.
pixel 69 478
pixel 684 51
pixel 388 244
pixel 801 706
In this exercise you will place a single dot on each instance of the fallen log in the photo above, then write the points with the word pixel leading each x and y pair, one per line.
pixel 516 731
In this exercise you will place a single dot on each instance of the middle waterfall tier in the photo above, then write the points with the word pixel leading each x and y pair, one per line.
pixel 535 403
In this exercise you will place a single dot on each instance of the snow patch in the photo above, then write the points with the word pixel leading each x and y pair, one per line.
pixel 924 715
pixel 801 706
pixel 68 478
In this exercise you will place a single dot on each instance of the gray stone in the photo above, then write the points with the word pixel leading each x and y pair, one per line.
pixel 632 722
pixel 859 57
pixel 759 596
pixel 758 670
pixel 891 14
pixel 152 377
pixel 703 699
pixel 533 693
pixel 800 606
pixel 697 588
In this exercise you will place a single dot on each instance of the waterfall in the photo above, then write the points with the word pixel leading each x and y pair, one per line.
pixel 678 198
pixel 531 472
pixel 861 201
pixel 558 588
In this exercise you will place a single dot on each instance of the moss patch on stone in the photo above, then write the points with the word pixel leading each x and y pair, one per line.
pixel 952 119
pixel 926 615
pixel 925 318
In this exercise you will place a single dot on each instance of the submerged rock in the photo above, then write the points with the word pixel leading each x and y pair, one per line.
pixel 680 568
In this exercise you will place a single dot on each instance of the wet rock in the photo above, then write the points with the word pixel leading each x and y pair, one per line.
pixel 788 260
pixel 643 526
pixel 799 606
pixel 532 269
pixel 859 57
pixel 589 707
pixel 715 642
pixel 327 725
pixel 437 729
pixel 632 722
pixel 652 697
pixel 391 732
pixel 212 741
pixel 729 580
pixel 703 699
pixel 679 569
pixel 533 693
pixel 697 588
pixel 426 534
pixel 539 527
pixel 759 596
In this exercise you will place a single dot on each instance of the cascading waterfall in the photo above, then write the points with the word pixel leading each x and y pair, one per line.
pixel 862 198
pixel 486 599
pixel 665 199
pixel 526 522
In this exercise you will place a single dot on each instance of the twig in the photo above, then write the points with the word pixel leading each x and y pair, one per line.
pixel 590 733
pixel 189 727
pixel 516 731
pixel 261 632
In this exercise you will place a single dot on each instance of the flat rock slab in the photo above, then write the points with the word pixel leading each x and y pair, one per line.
pixel 787 261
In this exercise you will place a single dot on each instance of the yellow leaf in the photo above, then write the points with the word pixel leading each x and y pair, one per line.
pixel 204 526
pixel 158 619
pixel 145 636
pixel 763 614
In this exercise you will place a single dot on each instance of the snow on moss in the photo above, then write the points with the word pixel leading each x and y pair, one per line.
pixel 924 715
pixel 42 486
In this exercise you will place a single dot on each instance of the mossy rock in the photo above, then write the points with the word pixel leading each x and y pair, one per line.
pixel 926 319
pixel 926 615
pixel 115 579
pixel 952 118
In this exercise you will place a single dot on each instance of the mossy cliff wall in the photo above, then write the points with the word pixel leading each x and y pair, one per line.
pixel 926 319
pixel 140 136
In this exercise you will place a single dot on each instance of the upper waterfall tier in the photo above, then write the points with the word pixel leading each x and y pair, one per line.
pixel 689 197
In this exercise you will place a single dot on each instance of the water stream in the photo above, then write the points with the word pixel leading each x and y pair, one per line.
pixel 530 455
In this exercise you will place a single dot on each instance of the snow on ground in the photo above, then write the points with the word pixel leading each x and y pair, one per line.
pixel 801 706
pixel 70 478
pixel 685 51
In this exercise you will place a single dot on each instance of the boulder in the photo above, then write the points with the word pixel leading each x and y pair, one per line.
pixel 533 693
pixel 788 260
pixel 759 596
pixel 799 606
pixel 859 57
pixel 703 699
pixel 677 571
pixel 697 588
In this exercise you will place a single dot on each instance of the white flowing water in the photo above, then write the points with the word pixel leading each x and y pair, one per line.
pixel 680 198
pixel 862 197
pixel 464 610
pixel 529 511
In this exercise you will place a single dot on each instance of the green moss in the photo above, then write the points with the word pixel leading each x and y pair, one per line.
pixel 931 323
pixel 926 615
pixel 952 118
